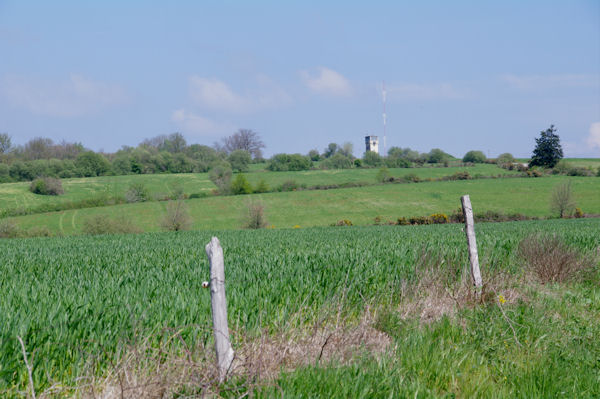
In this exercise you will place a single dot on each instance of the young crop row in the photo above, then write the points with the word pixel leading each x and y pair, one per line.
pixel 72 299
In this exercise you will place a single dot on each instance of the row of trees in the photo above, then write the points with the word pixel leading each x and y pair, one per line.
pixel 172 154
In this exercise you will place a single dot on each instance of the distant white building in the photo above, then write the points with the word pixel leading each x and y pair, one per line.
pixel 372 143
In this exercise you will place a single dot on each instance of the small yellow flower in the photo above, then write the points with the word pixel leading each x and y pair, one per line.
pixel 501 299
pixel 297 226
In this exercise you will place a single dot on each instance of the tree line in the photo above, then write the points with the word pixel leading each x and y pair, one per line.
pixel 41 157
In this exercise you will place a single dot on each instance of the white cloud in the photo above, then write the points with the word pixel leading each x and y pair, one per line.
pixel 217 95
pixel 593 139
pixel 537 82
pixel 196 124
pixel 415 91
pixel 75 97
pixel 327 81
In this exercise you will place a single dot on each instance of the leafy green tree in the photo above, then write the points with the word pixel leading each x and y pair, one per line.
pixel 475 157
pixel 314 155
pixel 505 158
pixel 330 150
pixel 548 150
pixel 240 185
pixel 239 160
pixel 90 163
pixel 371 158
pixel 438 156
pixel 5 143
pixel 220 174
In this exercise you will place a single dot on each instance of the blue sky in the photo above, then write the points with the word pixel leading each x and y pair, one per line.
pixel 459 75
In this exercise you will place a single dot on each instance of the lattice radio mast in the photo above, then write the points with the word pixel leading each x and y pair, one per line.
pixel 383 93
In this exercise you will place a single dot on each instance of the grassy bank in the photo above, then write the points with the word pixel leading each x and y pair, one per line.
pixel 361 205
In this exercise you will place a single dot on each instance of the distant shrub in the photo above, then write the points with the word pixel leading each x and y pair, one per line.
pixel 377 220
pixel 102 224
pixel 9 229
pixel 137 192
pixel 358 163
pixel 578 213
pixel 534 173
pixel 419 220
pixel 372 159
pixel 289 162
pixel 506 158
pixel 343 222
pixel 38 231
pixel 402 221
pixel 288 185
pixel 240 185
pixel 337 161
pixel 261 187
pixel 475 157
pixel 462 175
pixel 411 178
pixel 383 175
pixel 220 174
pixel 438 218
pixel 177 217
pixel 201 194
pixel 239 160
pixel 255 217
pixel 46 186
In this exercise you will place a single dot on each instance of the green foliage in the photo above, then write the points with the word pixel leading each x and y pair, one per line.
pixel 337 161
pixel 239 160
pixel 240 185
pixel 46 186
pixel 562 201
pixel 261 187
pixel 372 159
pixel 289 185
pixel 220 175
pixel 314 155
pixel 90 163
pixel 548 150
pixel 438 156
pixel 9 229
pixel 505 158
pixel 5 143
pixel 475 157
pixel 289 162
pixel 383 175
pixel 438 218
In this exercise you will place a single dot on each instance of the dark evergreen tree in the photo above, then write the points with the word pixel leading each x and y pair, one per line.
pixel 547 151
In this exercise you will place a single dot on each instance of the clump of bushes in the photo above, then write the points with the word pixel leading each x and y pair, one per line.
pixel 288 185
pixel 384 175
pixel 289 162
pixel 462 175
pixel 46 186
pixel 343 222
pixel 240 185
pixel 102 224
pixel 137 192
pixel 9 229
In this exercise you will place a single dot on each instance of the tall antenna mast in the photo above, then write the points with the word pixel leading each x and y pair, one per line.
pixel 384 118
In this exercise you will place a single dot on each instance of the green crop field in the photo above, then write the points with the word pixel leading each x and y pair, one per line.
pixel 80 298
pixel 361 205
pixel 17 195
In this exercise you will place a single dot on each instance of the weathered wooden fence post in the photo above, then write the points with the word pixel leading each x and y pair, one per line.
pixel 471 242
pixel 219 307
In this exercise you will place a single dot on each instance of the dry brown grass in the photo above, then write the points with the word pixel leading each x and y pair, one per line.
pixel 549 260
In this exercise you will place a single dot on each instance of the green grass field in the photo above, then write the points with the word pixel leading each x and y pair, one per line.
pixel 77 300
pixel 17 195
pixel 361 205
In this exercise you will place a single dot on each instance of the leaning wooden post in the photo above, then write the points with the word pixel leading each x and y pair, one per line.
pixel 471 242
pixel 219 307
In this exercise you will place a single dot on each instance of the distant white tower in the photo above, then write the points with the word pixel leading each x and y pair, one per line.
pixel 372 143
